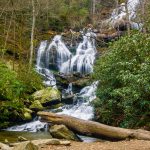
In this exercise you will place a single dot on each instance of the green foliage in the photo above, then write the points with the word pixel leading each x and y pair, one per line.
pixel 11 112
pixel 10 86
pixel 124 90
pixel 31 80
pixel 15 89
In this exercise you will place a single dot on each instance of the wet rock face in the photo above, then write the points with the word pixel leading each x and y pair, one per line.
pixel 62 132
pixel 47 96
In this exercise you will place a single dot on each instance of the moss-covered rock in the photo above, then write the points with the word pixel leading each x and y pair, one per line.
pixel 47 95
pixel 36 106
pixel 27 114
pixel 62 132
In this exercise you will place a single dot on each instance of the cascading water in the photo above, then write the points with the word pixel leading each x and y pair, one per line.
pixel 33 126
pixel 81 107
pixel 121 13
pixel 62 52
pixel 41 68
pixel 83 61
pixel 57 55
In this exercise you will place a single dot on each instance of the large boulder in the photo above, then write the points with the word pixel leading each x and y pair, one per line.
pixel 26 146
pixel 47 96
pixel 62 132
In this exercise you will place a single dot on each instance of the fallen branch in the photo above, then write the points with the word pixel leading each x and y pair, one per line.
pixel 94 129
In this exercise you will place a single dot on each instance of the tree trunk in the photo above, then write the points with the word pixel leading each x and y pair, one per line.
pixel 127 17
pixel 94 129
pixel 32 34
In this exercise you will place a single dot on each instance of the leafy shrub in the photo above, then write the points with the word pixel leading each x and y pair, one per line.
pixel 31 80
pixel 124 90
pixel 10 86
pixel 15 90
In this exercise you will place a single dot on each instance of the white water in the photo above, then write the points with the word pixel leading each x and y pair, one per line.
pixel 33 126
pixel 63 53
pixel 41 68
pixel 82 108
pixel 120 13
pixel 68 91
pixel 83 60
pixel 56 54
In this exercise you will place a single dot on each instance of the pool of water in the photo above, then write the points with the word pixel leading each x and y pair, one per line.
pixel 12 136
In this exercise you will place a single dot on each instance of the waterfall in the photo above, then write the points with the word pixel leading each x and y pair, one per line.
pixel 40 54
pixel 57 55
pixel 58 47
pixel 120 14
pixel 81 107
pixel 40 65
pixel 83 60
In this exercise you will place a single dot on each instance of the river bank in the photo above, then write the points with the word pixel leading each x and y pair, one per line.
pixel 122 145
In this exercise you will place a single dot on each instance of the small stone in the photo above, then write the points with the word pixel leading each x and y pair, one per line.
pixel 6 141
pixel 26 146
pixel 36 105
pixel 21 139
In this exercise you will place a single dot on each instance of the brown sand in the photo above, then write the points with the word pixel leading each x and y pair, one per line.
pixel 122 145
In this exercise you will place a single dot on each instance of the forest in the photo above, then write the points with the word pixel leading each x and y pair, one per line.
pixel 81 65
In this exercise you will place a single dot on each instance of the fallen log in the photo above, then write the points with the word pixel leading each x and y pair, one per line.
pixel 94 129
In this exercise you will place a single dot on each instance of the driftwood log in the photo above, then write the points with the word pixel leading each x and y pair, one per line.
pixel 94 129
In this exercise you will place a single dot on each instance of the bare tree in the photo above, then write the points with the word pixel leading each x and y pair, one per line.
pixel 32 34
pixel 127 17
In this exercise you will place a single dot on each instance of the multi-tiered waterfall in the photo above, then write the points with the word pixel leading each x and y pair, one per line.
pixel 83 60
pixel 57 55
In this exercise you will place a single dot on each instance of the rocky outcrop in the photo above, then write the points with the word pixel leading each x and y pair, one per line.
pixel 62 132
